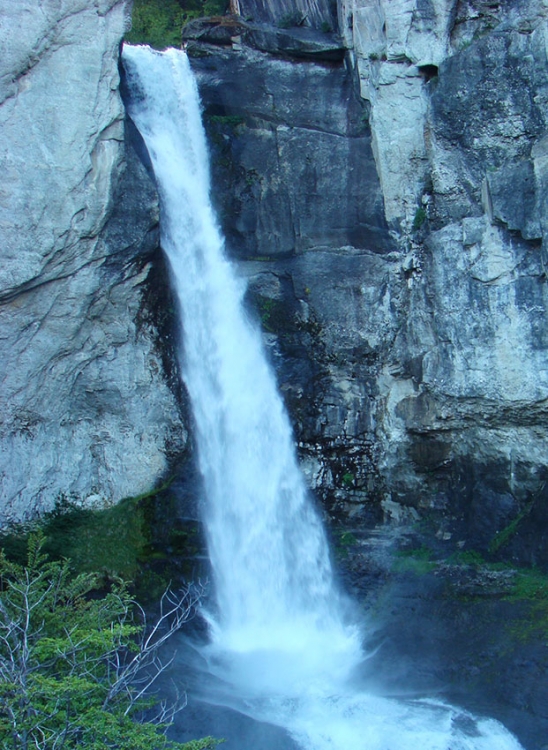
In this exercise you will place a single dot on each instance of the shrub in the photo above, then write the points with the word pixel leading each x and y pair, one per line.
pixel 77 664
pixel 159 22
pixel 420 218
pixel 348 479
pixel 214 7
pixel 140 539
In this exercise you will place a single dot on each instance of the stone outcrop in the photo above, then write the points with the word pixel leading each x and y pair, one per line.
pixel 86 407
pixel 296 42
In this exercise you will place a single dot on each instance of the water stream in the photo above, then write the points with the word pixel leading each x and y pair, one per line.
pixel 284 647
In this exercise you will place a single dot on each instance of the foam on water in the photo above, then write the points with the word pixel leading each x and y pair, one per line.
pixel 282 648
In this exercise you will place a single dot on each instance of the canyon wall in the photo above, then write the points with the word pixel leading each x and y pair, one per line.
pixel 389 210
pixel 380 176
pixel 86 408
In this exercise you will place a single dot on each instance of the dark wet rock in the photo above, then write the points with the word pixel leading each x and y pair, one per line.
pixel 291 156
pixel 299 42
pixel 319 14
pixel 450 626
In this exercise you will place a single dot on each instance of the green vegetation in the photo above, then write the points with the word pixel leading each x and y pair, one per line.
pixel 468 557
pixel 343 544
pixel 525 588
pixel 531 588
pixel 231 121
pixel 418 561
pixel 294 18
pixel 77 661
pixel 502 537
pixel 215 7
pixel 123 541
pixel 109 540
pixel 531 584
pixel 267 307
pixel 159 22
pixel 274 314
pixel 419 219
pixel 347 539
pixel 348 479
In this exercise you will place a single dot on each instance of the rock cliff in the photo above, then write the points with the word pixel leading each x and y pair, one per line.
pixel 383 189
pixel 463 85
pixel 86 406
pixel 389 211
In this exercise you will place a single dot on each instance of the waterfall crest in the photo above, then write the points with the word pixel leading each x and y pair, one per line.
pixel 278 638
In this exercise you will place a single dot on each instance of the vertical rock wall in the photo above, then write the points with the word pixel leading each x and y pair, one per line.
pixel 389 210
pixel 413 357
pixel 458 118
pixel 85 404
pixel 315 13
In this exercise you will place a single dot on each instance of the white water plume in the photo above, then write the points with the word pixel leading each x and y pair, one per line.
pixel 280 648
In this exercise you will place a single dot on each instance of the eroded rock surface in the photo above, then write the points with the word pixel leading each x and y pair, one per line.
pixel 464 418
pixel 397 262
pixel 388 209
pixel 86 406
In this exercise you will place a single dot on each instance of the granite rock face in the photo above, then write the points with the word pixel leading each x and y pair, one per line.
pixel 397 263
pixel 472 349
pixel 299 199
pixel 86 407
pixel 292 152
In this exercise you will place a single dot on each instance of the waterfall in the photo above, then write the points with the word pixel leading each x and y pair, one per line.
pixel 279 637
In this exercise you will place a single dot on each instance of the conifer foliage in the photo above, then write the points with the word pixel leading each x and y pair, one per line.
pixel 159 22
pixel 77 665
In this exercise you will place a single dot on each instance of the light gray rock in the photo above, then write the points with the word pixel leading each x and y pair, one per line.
pixel 62 129
pixel 86 408
pixel 396 46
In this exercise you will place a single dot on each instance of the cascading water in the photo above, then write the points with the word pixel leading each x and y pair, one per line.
pixel 278 639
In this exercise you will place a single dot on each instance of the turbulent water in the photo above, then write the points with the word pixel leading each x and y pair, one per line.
pixel 281 649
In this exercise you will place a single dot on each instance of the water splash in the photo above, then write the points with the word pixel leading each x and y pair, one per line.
pixel 280 648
